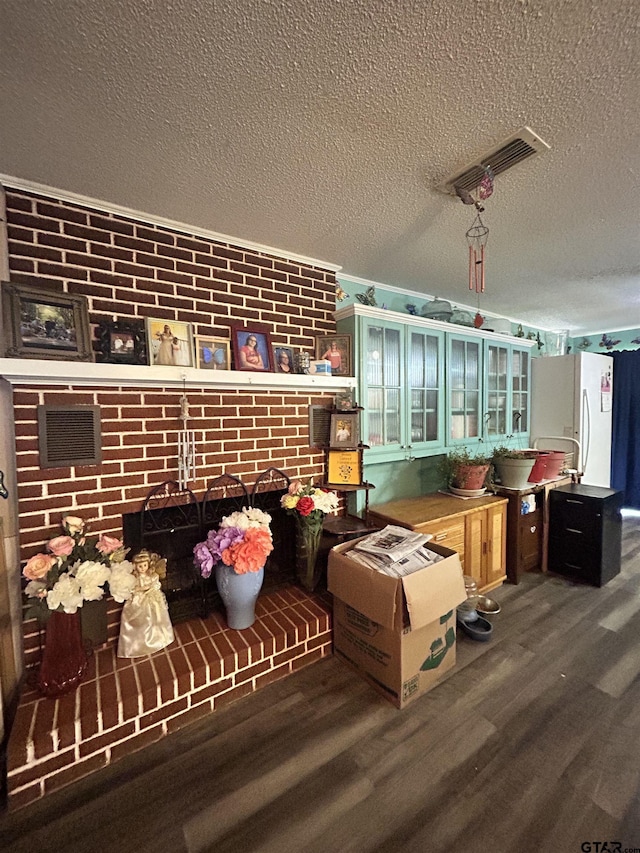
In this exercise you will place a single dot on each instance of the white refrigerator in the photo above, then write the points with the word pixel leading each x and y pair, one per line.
pixel 571 396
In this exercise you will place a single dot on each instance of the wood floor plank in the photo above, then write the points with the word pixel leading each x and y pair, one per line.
pixel 529 744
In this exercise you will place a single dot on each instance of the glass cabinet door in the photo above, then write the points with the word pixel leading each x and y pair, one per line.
pixel 497 391
pixel 424 369
pixel 384 386
pixel 521 369
pixel 464 389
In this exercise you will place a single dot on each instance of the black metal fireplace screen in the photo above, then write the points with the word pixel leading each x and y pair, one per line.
pixel 172 521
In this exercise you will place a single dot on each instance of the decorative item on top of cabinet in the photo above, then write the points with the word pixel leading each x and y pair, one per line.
pixel 475 528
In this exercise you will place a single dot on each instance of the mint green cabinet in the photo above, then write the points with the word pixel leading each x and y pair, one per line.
pixel 401 373
pixel 507 390
pixel 426 386
pixel 464 389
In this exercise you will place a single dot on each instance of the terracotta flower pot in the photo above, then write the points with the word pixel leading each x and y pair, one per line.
pixel 470 476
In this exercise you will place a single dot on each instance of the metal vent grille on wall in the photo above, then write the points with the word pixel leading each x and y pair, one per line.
pixel 319 426
pixel 69 435
pixel 507 154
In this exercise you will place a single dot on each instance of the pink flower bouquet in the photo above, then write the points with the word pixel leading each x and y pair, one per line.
pixel 76 568
pixel 243 541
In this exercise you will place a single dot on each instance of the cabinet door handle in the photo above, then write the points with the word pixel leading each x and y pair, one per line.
pixel 573 530
pixel 533 528
pixel 440 536
pixel 571 501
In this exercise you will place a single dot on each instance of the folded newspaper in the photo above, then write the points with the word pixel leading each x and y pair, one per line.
pixel 394 551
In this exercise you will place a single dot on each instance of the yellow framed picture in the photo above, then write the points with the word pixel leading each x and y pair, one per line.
pixel 344 468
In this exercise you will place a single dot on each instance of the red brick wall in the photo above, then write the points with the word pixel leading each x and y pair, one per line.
pixel 131 270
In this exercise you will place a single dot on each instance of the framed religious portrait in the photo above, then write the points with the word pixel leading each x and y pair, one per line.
pixel 212 353
pixel 43 323
pixel 283 359
pixel 336 349
pixel 344 468
pixel 169 343
pixel 121 342
pixel 252 348
pixel 344 432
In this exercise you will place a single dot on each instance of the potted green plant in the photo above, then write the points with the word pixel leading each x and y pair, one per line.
pixel 513 467
pixel 465 470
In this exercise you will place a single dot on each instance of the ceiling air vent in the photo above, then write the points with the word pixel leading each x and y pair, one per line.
pixel 507 154
pixel 69 435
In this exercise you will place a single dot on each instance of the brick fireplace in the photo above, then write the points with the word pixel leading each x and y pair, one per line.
pixel 129 270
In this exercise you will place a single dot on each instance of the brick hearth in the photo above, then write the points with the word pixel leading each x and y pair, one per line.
pixel 124 705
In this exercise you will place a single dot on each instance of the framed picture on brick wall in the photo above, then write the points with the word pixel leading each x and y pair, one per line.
pixel 42 323
pixel 169 342
pixel 121 342
pixel 283 359
pixel 252 348
pixel 337 350
pixel 212 353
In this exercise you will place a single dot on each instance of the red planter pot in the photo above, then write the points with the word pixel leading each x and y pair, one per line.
pixel 538 472
pixel 547 466
pixel 555 464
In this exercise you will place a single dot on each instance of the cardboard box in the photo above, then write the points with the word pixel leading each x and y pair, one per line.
pixel 399 634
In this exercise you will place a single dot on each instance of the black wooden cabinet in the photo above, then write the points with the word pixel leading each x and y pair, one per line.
pixel 585 532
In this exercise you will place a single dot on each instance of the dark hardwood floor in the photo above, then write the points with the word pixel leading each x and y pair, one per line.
pixel 531 744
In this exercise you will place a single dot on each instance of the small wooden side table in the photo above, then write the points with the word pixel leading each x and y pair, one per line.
pixel 528 534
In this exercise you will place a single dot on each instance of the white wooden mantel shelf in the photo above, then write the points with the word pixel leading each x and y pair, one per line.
pixel 20 371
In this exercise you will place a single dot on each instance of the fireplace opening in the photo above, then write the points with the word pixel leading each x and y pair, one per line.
pixel 172 521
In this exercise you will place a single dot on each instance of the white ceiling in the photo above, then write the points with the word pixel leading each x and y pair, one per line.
pixel 321 127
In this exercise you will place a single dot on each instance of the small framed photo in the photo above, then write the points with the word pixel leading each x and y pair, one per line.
pixel 337 350
pixel 170 343
pixel 252 348
pixel 344 468
pixel 122 342
pixel 345 401
pixel 41 323
pixel 212 353
pixel 283 360
pixel 344 432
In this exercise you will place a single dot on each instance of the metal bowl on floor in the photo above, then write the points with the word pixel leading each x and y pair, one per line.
pixel 483 604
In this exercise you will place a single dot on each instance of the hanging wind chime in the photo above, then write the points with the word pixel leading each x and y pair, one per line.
pixel 186 443
pixel 477 237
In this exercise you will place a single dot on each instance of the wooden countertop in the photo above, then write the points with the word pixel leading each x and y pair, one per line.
pixel 413 511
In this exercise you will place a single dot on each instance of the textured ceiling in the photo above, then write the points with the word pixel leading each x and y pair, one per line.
pixel 322 127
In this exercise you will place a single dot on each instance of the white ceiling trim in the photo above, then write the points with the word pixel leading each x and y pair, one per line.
pixel 149 219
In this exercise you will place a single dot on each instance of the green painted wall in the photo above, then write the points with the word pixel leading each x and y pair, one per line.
pixel 627 339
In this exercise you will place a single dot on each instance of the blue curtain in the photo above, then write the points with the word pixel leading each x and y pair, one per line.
pixel 625 451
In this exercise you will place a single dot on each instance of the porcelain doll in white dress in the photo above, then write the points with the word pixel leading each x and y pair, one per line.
pixel 145 626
